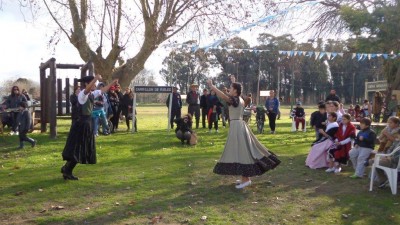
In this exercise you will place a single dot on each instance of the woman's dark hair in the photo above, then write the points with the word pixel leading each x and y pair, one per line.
pixel 12 90
pixel 347 116
pixel 237 87
pixel 334 115
pixel 366 100
pixel 357 107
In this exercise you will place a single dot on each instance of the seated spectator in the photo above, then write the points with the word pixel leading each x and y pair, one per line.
pixel 339 153
pixel 341 108
pixel 389 134
pixel 183 129
pixel 366 108
pixel 317 158
pixel 335 107
pixel 390 161
pixel 358 114
pixel 318 118
pixel 364 144
pixel 12 102
pixel 351 112
pixel 299 116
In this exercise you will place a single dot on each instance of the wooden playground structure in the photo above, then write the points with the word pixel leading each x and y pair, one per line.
pixel 51 93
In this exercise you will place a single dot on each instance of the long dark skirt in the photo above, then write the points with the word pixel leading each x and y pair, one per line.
pixel 80 146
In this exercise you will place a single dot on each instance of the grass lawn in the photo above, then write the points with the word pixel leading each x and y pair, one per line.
pixel 149 177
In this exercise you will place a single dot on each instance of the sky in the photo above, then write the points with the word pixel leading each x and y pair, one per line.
pixel 24 46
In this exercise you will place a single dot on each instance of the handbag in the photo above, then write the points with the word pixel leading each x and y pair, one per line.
pixel 193 138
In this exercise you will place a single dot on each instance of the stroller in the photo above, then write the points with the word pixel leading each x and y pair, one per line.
pixel 260 118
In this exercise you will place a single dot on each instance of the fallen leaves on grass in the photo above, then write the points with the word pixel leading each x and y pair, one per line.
pixel 40 190
pixel 43 211
pixel 19 193
pixel 133 202
pixel 58 207
pixel 203 218
pixel 156 219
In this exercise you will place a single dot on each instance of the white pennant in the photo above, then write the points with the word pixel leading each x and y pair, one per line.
pixel 316 55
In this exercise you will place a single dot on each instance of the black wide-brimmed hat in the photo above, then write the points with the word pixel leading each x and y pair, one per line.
pixel 86 79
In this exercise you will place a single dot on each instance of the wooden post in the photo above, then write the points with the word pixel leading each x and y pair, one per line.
pixel 59 97
pixel 42 100
pixel 53 116
pixel 48 99
pixel 67 94
pixel 75 83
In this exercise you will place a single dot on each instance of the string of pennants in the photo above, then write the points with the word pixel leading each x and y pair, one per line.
pixel 320 55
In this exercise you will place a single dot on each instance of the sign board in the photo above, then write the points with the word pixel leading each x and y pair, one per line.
pixel 152 89
pixel 264 93
pixel 377 86
pixel 381 85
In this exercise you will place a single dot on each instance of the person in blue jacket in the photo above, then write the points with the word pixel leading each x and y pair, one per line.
pixel 272 106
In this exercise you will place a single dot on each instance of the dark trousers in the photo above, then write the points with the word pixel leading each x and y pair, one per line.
pixel 115 119
pixel 128 124
pixel 23 137
pixel 175 114
pixel 194 110
pixel 14 118
pixel 272 120
pixel 203 117
pixel 118 115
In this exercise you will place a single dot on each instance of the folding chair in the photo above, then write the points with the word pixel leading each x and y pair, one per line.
pixel 391 173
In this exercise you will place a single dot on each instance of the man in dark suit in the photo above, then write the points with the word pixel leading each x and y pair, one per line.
pixel 176 105
pixel 193 100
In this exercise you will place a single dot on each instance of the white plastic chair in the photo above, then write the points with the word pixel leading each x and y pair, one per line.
pixel 391 173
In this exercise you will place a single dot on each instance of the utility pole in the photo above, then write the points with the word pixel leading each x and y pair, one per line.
pixel 292 87
pixel 353 97
pixel 278 83
pixel 258 82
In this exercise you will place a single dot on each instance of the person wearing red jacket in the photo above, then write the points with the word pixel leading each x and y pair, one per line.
pixel 339 153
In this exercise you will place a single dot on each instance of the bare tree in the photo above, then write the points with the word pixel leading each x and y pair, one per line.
pixel 105 32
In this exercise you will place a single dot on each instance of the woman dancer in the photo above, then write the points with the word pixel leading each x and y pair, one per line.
pixel 80 146
pixel 243 155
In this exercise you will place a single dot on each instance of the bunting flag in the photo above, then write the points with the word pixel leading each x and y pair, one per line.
pixel 257 23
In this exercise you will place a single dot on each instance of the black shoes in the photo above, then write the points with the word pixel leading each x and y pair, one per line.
pixel 66 175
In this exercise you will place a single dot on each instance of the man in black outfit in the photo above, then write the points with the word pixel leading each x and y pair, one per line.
pixel 176 105
pixel 332 96
pixel 204 108
pixel 193 100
